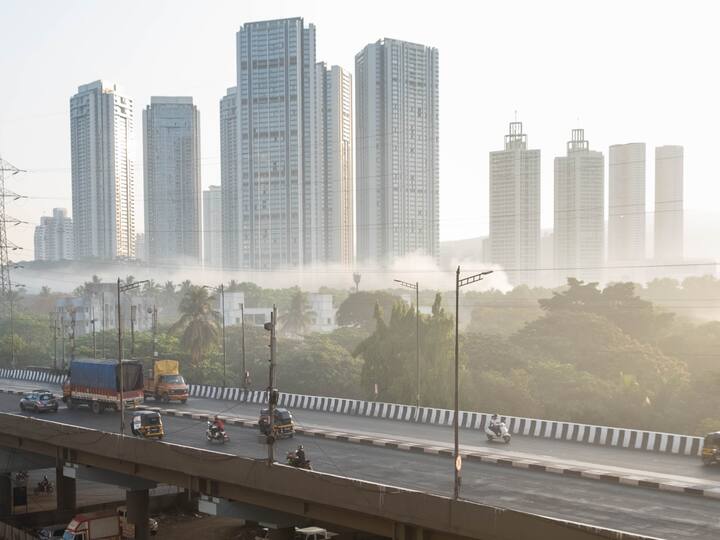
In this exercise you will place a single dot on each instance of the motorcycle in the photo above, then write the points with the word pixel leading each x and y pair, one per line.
pixel 294 461
pixel 44 488
pixel 215 434
pixel 499 434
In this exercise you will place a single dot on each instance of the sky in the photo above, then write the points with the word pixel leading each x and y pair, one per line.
pixel 627 71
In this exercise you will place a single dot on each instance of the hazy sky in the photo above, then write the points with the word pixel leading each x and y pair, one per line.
pixel 625 71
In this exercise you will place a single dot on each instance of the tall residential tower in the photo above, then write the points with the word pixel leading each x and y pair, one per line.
pixel 515 207
pixel 171 143
pixel 54 237
pixel 579 231
pixel 212 227
pixel 397 163
pixel 229 181
pixel 103 172
pixel 669 223
pixel 626 205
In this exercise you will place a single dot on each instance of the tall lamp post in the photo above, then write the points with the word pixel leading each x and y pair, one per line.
pixel 221 288
pixel 456 421
pixel 120 289
pixel 242 335
pixel 416 287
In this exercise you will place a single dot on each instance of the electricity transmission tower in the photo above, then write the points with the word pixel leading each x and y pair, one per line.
pixel 6 169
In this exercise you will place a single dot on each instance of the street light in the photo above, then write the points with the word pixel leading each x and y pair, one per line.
pixel 416 288
pixel 458 460
pixel 12 324
pixel 121 289
pixel 221 288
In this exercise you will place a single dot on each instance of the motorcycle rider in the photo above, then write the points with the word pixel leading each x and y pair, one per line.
pixel 300 455
pixel 44 483
pixel 218 426
pixel 495 424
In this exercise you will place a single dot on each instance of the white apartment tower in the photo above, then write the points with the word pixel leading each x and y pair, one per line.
pixel 579 229
pixel 103 172
pixel 212 227
pixel 669 223
pixel 268 211
pixel 331 216
pixel 397 163
pixel 626 205
pixel 515 207
pixel 171 144
pixel 229 181
pixel 54 237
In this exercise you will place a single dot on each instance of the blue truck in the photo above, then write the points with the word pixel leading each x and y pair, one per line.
pixel 96 383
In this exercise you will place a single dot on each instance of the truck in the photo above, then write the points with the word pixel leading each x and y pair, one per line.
pixel 96 383
pixel 163 382
pixel 103 525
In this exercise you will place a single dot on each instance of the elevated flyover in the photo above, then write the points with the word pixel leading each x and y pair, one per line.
pixel 365 506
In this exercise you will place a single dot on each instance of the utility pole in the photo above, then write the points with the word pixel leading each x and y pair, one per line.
pixel 356 279
pixel 133 312
pixel 456 421
pixel 63 331
pixel 154 330
pixel 416 288
pixel 53 319
pixel 104 322
pixel 272 391
pixel 72 334
pixel 221 288
pixel 92 321
pixel 242 340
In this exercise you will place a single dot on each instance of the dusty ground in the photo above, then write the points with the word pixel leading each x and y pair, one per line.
pixel 194 526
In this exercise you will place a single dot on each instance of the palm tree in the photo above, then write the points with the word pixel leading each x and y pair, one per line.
pixel 298 317
pixel 44 291
pixel 198 323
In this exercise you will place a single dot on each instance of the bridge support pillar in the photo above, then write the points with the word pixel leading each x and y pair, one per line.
pixel 65 490
pixel 5 495
pixel 138 503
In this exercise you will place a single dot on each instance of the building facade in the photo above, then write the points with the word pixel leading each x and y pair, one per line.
pixel 330 234
pixel 268 209
pixel 397 163
pixel 515 207
pixel 229 181
pixel 212 227
pixel 171 144
pixel 669 219
pixel 626 204
pixel 103 172
pixel 54 239
pixel 579 225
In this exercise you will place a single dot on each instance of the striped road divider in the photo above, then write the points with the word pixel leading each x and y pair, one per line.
pixel 634 439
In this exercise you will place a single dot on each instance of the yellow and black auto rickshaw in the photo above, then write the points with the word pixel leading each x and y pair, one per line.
pixel 147 424
pixel 283 425
pixel 711 448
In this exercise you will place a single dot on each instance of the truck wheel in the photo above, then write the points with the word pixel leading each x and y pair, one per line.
pixel 165 398
pixel 96 407
pixel 156 397
pixel 70 403
pixel 183 401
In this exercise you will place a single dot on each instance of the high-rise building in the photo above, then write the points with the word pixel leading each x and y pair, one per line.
pixel 330 234
pixel 141 247
pixel 515 207
pixel 103 171
pixel 579 229
pixel 212 227
pixel 269 212
pixel 626 205
pixel 397 137
pixel 669 223
pixel 171 143
pixel 54 237
pixel 229 181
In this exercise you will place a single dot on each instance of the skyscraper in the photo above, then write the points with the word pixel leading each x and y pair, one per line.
pixel 579 229
pixel 268 213
pixel 54 237
pixel 397 137
pixel 212 227
pixel 103 171
pixel 229 181
pixel 331 223
pixel 669 223
pixel 171 143
pixel 515 207
pixel 626 205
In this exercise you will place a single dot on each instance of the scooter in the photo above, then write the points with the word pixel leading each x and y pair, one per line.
pixel 501 435
pixel 293 461
pixel 214 434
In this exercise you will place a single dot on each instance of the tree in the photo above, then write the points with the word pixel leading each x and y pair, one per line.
pixel 198 323
pixel 358 309
pixel 298 317
pixel 44 291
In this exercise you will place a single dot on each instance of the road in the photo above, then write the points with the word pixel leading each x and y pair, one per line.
pixel 543 449
pixel 655 513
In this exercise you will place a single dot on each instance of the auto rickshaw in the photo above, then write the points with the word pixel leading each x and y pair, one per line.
pixel 147 424
pixel 283 426
pixel 711 448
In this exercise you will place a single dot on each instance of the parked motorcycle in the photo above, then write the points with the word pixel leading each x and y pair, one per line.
pixel 498 432
pixel 213 434
pixel 44 488
pixel 294 461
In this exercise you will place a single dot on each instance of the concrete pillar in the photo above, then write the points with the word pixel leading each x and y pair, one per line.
pixel 138 506
pixel 65 491
pixel 5 495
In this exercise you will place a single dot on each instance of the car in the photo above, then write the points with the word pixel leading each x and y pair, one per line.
pixel 51 532
pixel 38 402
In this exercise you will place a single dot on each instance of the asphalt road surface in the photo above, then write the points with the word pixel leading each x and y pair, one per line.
pixel 655 513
